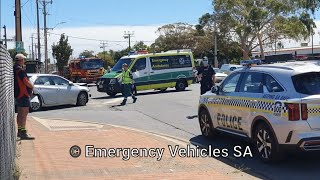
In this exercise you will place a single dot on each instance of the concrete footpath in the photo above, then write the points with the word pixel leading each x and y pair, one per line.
pixel 49 156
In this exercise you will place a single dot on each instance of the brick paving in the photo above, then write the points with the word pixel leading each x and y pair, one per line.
pixel 48 156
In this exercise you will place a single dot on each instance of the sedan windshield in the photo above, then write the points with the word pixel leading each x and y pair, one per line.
pixel 118 66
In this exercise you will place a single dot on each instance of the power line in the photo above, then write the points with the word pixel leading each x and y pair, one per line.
pixel 90 39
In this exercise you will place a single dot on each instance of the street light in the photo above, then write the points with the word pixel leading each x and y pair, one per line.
pixel 46 60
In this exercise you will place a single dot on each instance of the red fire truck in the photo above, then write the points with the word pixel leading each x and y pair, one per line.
pixel 86 69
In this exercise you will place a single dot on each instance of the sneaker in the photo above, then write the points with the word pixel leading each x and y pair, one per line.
pixel 24 136
pixel 123 102
pixel 134 99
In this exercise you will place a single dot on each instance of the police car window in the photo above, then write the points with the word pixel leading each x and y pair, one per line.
pixel 139 65
pixel 230 83
pixel 252 83
pixel 272 85
pixel 307 83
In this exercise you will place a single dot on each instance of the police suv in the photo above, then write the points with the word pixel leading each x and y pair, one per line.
pixel 277 106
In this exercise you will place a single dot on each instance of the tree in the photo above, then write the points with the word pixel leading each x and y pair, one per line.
pixel 175 36
pixel 108 60
pixel 62 51
pixel 87 53
pixel 257 23
pixel 13 53
pixel 140 46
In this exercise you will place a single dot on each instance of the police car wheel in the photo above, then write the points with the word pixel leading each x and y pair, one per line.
pixel 205 122
pixel 266 145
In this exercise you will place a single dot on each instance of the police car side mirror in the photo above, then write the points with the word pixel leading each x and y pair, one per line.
pixel 70 83
pixel 215 89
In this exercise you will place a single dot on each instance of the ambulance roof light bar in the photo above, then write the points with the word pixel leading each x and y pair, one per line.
pixel 179 50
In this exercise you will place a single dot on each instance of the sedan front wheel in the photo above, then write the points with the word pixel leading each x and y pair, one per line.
pixel 82 99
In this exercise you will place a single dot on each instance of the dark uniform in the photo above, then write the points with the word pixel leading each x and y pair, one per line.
pixel 206 80
pixel 127 82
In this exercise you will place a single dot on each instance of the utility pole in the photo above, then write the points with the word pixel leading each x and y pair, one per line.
pixel 5 36
pixel 38 31
pixel 17 13
pixel 103 46
pixel 32 47
pixel 46 60
pixel 35 52
pixel 128 35
pixel 215 45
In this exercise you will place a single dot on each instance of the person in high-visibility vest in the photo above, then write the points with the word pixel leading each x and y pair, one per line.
pixel 127 81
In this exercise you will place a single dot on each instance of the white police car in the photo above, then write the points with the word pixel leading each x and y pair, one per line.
pixel 277 106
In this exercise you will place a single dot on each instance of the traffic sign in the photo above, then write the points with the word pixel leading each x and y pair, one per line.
pixel 19 47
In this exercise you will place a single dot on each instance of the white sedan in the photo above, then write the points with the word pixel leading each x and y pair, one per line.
pixel 54 90
pixel 219 75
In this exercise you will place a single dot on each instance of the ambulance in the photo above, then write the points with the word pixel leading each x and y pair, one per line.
pixel 157 71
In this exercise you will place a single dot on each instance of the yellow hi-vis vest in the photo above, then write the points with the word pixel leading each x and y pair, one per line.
pixel 126 79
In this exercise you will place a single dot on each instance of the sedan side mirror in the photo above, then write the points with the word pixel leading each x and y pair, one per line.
pixel 70 83
pixel 215 89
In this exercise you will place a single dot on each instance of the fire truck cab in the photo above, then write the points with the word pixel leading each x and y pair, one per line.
pixel 86 69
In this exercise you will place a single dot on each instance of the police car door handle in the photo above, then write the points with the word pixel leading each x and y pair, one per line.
pixel 152 72
pixel 253 101
pixel 145 73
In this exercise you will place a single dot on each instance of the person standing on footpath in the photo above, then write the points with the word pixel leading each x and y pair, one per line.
pixel 22 91
pixel 207 76
pixel 127 81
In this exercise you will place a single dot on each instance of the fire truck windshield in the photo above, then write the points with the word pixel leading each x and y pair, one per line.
pixel 118 65
pixel 91 64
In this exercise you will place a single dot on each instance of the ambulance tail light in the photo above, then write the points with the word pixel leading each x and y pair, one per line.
pixel 304 111
pixel 293 111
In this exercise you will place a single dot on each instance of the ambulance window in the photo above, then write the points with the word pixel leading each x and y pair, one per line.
pixel 252 83
pixel 139 65
pixel 230 84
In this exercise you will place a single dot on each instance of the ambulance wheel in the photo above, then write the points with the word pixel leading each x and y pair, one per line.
pixel 266 145
pixel 180 85
pixel 206 125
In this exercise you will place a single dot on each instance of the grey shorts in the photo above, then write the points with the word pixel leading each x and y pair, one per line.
pixel 23 102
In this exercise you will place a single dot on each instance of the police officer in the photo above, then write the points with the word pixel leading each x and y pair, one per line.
pixel 127 81
pixel 207 76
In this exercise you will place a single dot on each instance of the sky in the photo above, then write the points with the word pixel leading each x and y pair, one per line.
pixel 87 23
pixel 98 20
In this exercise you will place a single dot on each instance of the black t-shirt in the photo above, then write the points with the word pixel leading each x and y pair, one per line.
pixel 20 89
pixel 207 73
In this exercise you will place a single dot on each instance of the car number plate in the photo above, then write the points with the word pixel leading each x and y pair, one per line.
pixel 101 86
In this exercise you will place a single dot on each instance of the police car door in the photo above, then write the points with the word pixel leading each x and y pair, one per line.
pixel 251 92
pixel 229 116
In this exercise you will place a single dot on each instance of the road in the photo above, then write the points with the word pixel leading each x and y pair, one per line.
pixel 175 114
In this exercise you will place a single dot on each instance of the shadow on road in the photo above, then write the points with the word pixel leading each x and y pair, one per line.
pixel 294 166
pixel 146 93
pixel 57 108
